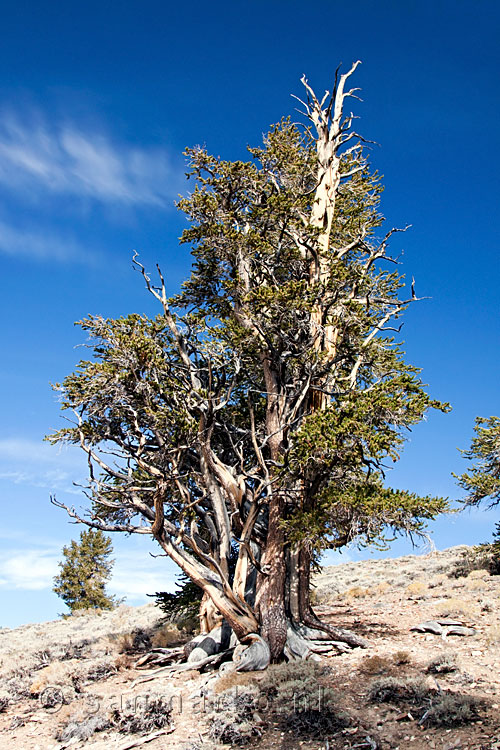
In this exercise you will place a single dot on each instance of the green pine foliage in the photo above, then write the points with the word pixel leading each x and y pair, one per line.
pixel 186 599
pixel 495 552
pixel 482 481
pixel 84 572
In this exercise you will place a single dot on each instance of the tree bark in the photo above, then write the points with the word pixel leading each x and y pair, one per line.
pixel 270 600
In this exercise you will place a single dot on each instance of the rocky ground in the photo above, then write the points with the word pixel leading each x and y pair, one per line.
pixel 75 683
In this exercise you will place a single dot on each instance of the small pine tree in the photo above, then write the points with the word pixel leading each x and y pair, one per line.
pixel 84 572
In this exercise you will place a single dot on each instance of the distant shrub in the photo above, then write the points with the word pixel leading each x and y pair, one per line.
pixel 136 642
pixel 483 557
pixel 395 690
pixel 186 599
pixel 83 729
pixel 233 722
pixel 153 713
pixel 452 710
pixel 292 695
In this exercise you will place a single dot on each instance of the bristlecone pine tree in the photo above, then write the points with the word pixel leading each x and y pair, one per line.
pixel 253 415
pixel 84 572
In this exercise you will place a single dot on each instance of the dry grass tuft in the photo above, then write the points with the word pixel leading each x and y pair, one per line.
pixel 443 664
pixel 231 680
pixel 376 665
pixel 417 589
pixel 454 608
pixel 381 587
pixel 168 635
pixel 355 592
pixel 475 584
pixel 482 574
pixel 493 635
pixel 401 657
pixel 57 673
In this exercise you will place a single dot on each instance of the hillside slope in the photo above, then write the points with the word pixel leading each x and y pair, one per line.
pixel 75 683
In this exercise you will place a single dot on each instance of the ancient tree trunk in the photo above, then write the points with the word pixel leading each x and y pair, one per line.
pixel 271 584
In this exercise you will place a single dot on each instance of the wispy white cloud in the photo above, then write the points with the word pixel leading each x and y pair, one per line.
pixel 42 245
pixel 31 569
pixel 25 449
pixel 61 158
pixel 38 464
pixel 136 582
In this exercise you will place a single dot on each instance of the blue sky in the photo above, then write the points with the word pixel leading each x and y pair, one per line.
pixel 97 103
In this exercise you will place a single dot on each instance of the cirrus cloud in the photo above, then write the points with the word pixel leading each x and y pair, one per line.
pixel 38 157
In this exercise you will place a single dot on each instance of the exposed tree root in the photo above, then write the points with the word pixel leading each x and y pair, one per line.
pixel 303 641
pixel 214 661
pixel 160 657
pixel 311 622
pixel 252 658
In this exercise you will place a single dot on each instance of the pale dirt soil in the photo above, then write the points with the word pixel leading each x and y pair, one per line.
pixel 380 600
